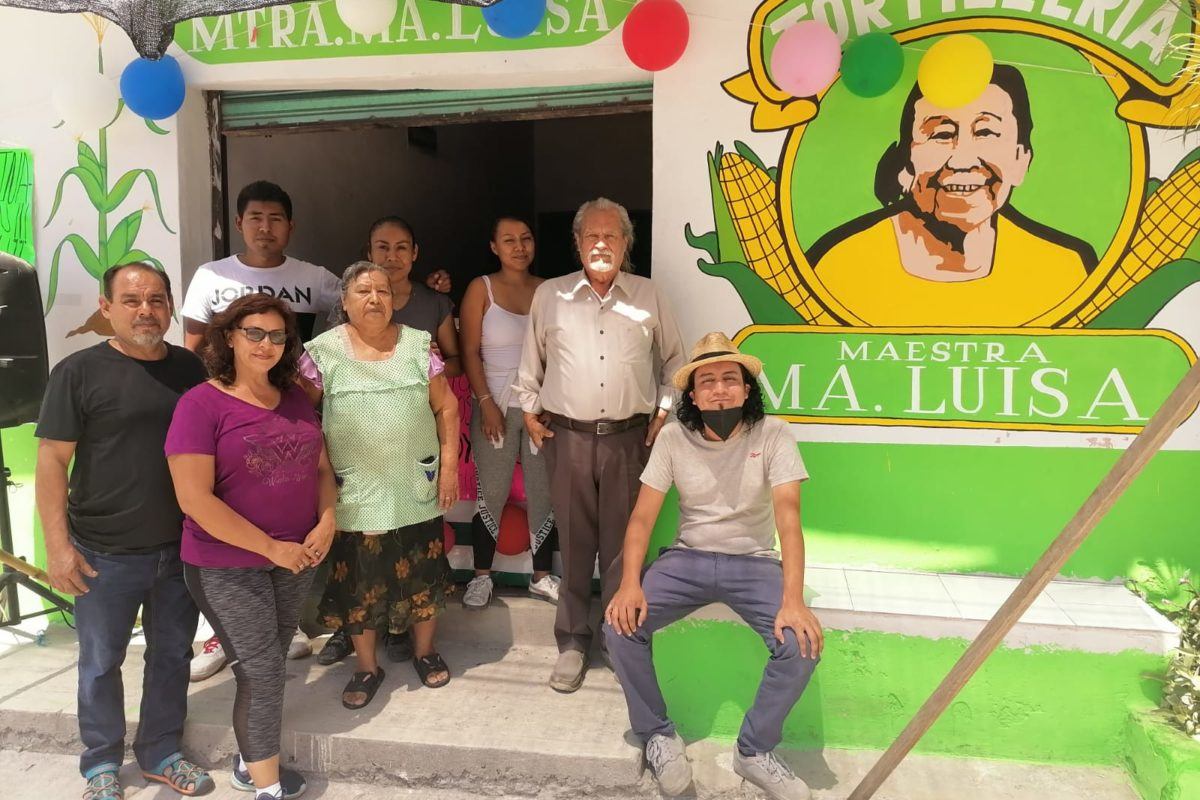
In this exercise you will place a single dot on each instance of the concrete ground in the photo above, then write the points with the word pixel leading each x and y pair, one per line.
pixel 27 775
pixel 496 730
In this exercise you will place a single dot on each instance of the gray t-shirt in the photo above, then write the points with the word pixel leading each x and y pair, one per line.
pixel 425 310
pixel 725 487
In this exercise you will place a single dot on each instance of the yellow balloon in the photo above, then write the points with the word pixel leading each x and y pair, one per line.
pixel 955 71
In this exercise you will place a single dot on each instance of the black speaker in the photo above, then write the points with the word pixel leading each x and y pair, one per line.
pixel 23 362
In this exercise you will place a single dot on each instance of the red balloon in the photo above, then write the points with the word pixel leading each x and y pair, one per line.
pixel 655 34
pixel 447 536
pixel 516 493
pixel 514 532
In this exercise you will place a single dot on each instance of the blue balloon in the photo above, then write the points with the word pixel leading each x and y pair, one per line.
pixel 515 19
pixel 153 89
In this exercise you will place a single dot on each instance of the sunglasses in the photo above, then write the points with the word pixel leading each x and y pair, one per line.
pixel 256 335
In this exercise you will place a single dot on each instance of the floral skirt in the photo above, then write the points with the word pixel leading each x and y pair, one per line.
pixel 386 582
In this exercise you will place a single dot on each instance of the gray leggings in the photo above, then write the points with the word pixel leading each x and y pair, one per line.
pixel 254 612
pixel 494 471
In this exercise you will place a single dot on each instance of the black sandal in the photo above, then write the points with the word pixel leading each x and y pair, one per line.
pixel 363 682
pixel 427 665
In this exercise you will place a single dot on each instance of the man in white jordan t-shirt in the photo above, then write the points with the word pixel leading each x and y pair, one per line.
pixel 264 218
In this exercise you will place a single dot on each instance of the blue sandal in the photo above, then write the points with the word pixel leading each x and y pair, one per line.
pixel 103 784
pixel 181 775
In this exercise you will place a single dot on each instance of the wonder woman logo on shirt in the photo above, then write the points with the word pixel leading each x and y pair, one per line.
pixel 284 454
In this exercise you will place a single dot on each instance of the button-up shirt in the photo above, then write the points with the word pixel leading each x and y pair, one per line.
pixel 590 358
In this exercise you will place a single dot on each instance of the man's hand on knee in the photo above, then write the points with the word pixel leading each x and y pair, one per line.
pixel 628 609
pixel 804 624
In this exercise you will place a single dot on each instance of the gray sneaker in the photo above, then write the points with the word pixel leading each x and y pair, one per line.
pixel 668 762
pixel 771 775
pixel 478 593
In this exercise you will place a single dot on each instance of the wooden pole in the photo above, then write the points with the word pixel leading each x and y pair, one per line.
pixel 21 565
pixel 1174 411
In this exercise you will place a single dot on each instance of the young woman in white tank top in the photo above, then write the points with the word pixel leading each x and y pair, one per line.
pixel 493 320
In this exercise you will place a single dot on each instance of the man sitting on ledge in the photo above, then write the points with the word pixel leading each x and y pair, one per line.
pixel 733 468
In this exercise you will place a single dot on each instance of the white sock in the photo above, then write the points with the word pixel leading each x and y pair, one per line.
pixel 241 765
pixel 274 790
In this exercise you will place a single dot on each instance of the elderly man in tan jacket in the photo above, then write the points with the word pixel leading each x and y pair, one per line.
pixel 595 385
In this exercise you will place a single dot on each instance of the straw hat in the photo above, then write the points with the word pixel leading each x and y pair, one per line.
pixel 711 348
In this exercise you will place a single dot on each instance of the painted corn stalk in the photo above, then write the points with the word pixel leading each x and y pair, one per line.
pixel 747 246
pixel 1166 231
pixel 115 241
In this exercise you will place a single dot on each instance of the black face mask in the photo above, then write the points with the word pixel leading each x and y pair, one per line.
pixel 722 421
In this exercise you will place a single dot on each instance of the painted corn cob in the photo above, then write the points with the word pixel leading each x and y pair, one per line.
pixel 1168 225
pixel 750 196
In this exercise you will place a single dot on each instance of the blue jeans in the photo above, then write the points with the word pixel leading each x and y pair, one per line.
pixel 105 617
pixel 683 580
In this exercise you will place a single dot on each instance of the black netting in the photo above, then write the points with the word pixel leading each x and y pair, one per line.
pixel 151 23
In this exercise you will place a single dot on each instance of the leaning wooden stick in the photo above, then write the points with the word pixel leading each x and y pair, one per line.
pixel 1174 411
pixel 21 565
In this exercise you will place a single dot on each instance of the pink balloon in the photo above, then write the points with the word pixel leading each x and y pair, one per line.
pixel 806 58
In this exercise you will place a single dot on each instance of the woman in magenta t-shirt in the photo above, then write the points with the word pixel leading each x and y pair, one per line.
pixel 252 477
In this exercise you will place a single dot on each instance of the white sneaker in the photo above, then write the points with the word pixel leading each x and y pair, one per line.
pixel 478 593
pixel 668 762
pixel 209 661
pixel 771 775
pixel 301 646
pixel 546 588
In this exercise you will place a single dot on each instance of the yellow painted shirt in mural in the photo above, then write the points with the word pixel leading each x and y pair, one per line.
pixel 1030 275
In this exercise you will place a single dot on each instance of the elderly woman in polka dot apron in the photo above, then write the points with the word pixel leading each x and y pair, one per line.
pixel 391 422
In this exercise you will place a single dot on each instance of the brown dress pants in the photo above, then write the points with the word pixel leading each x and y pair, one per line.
pixel 594 483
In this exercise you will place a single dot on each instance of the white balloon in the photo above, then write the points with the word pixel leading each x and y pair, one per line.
pixel 367 17
pixel 86 102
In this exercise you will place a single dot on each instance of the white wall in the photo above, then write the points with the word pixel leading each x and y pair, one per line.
pixel 28 120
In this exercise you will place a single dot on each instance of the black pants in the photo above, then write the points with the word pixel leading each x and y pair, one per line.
pixel 254 612
pixel 485 547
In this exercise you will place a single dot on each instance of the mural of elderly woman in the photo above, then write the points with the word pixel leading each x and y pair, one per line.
pixel 390 422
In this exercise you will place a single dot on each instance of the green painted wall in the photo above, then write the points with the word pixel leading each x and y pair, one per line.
pixel 986 509
pixel 858 508
pixel 1162 763
pixel 1035 704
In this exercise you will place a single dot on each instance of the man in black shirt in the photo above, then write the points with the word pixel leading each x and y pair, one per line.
pixel 112 532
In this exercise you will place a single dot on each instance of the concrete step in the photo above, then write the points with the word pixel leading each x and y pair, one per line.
pixel 31 775
pixel 35 775
pixel 1087 616
pixel 495 730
